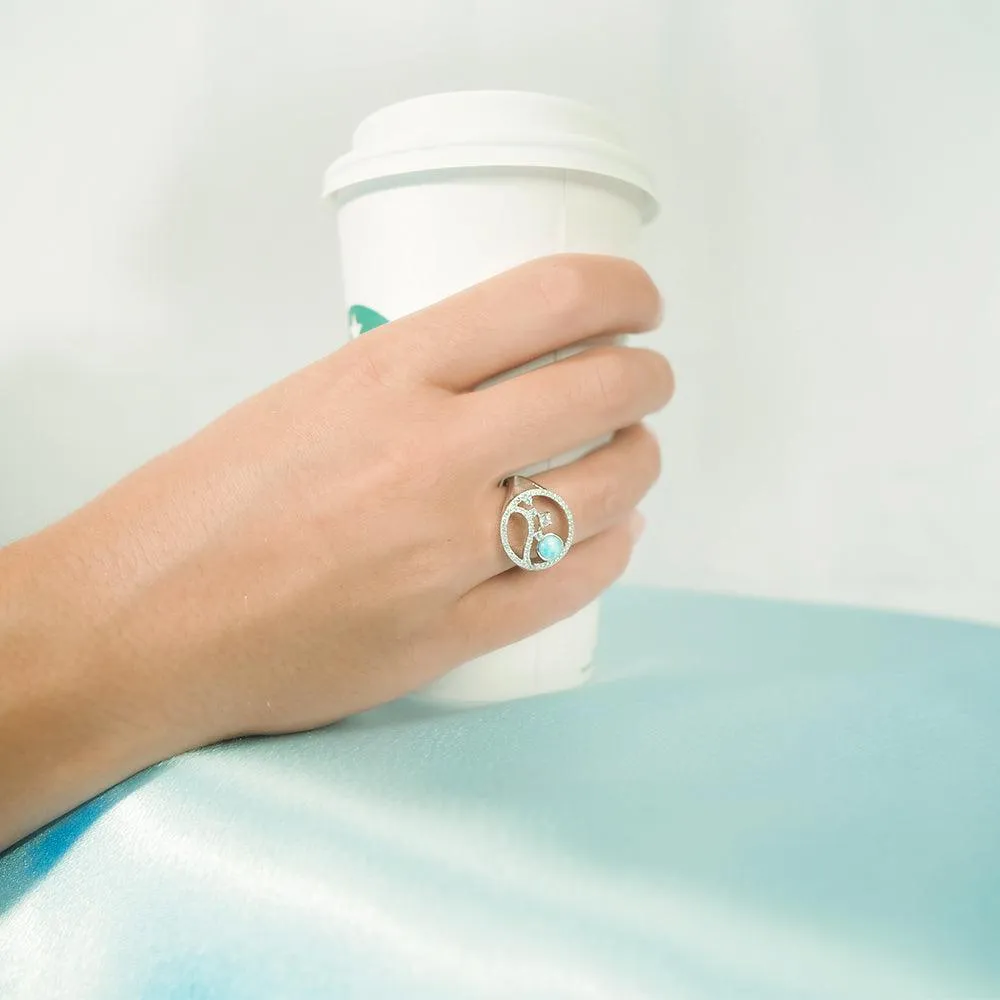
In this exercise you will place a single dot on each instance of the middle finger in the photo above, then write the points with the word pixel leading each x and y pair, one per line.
pixel 551 410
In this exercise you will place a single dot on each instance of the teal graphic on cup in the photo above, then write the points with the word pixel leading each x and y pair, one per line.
pixel 361 319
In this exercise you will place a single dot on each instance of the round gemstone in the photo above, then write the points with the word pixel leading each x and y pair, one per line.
pixel 550 547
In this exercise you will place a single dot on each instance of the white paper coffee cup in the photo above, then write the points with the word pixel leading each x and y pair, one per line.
pixel 441 192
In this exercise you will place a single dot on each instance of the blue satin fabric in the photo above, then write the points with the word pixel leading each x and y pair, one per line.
pixel 751 800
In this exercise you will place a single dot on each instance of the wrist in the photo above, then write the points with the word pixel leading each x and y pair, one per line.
pixel 74 719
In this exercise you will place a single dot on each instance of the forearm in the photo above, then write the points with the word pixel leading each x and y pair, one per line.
pixel 74 720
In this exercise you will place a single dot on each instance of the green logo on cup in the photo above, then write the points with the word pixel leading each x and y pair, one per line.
pixel 361 319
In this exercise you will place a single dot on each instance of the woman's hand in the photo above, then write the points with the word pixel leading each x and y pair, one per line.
pixel 332 542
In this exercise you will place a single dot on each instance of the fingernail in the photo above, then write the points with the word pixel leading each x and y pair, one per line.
pixel 636 526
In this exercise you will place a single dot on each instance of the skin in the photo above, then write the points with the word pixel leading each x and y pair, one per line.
pixel 329 544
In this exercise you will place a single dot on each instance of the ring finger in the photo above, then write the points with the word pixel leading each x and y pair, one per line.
pixel 601 489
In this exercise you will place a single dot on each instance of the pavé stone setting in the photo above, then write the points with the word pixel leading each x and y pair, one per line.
pixel 542 547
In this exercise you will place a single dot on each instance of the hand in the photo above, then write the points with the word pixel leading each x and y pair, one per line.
pixel 332 542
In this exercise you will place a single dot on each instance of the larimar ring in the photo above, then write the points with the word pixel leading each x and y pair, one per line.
pixel 539 545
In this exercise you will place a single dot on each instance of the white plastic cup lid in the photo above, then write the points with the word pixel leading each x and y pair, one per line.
pixel 488 128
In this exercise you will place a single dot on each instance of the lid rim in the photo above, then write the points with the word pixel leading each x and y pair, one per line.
pixel 351 171
pixel 463 130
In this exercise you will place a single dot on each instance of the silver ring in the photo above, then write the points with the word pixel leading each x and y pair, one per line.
pixel 543 546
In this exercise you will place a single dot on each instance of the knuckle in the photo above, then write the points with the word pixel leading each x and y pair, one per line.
pixel 611 377
pixel 571 287
pixel 563 286
pixel 395 467
pixel 372 365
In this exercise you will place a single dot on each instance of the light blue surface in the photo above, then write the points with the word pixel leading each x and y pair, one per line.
pixel 749 800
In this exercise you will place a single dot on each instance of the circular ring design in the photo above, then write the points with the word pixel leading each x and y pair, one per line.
pixel 543 547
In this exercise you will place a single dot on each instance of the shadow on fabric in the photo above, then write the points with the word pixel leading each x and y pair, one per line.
pixel 25 864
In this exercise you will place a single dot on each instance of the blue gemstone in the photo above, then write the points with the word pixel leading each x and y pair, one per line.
pixel 550 547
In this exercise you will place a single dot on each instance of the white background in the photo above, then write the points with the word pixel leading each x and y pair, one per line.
pixel 829 248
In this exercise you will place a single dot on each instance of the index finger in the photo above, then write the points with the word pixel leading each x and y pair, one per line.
pixel 520 316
